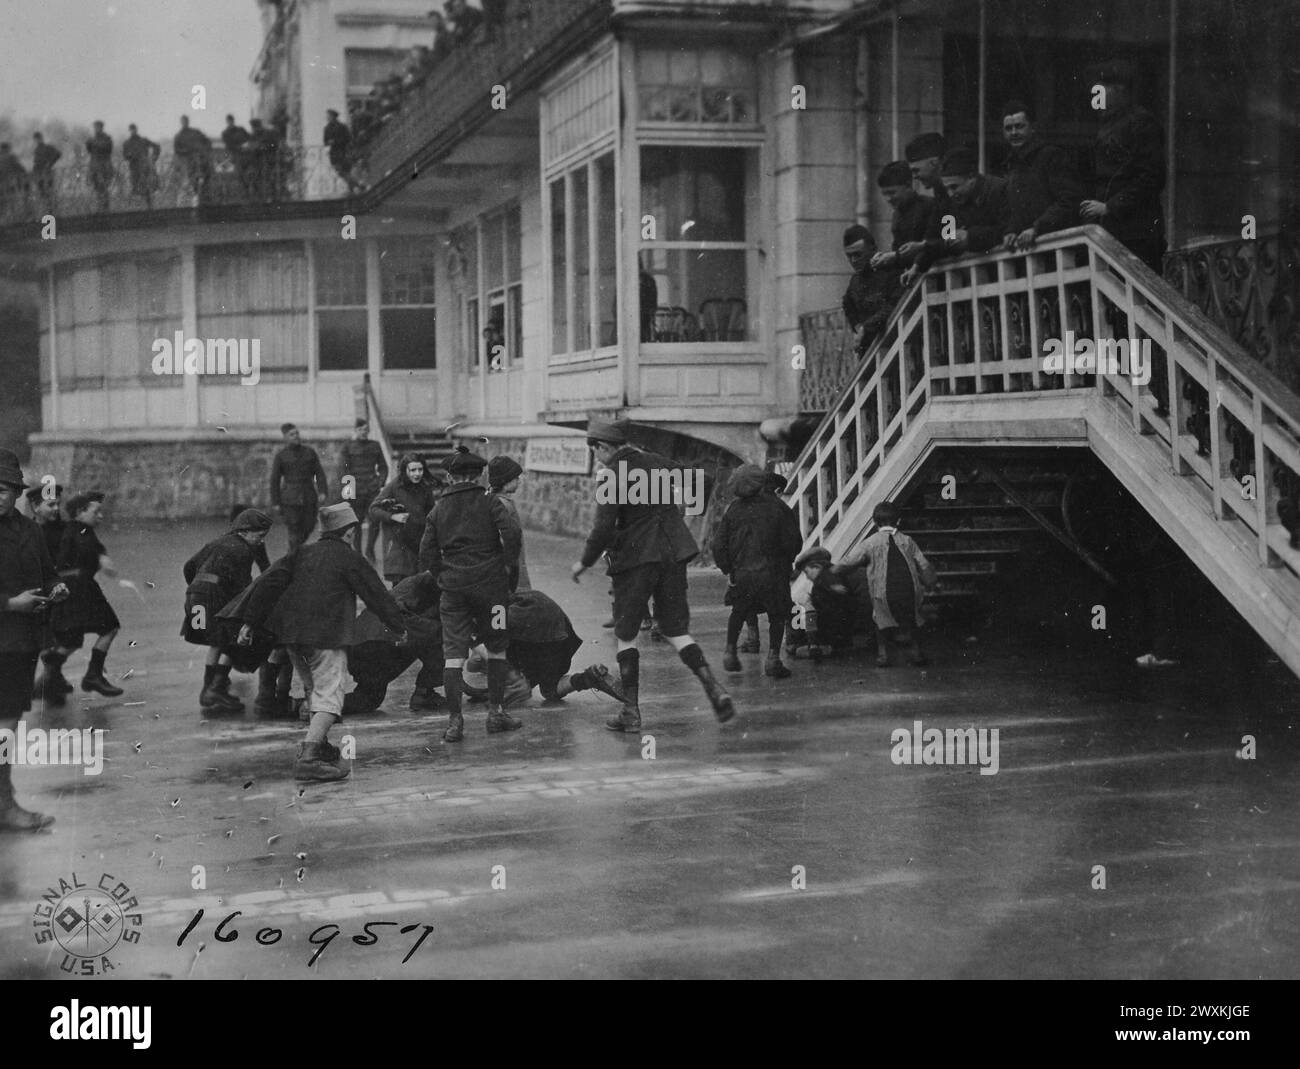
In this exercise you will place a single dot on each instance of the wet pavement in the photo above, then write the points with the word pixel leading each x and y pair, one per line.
pixel 1121 836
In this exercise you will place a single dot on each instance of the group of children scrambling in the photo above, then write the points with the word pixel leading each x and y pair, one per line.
pixel 757 545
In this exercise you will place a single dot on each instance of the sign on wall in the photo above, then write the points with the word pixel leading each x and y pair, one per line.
pixel 568 455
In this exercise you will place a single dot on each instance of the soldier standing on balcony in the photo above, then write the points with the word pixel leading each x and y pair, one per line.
pixel 298 468
pixel 100 149
pixel 871 293
pixel 234 137
pixel 339 142
pixel 925 154
pixel 1129 166
pixel 464 21
pixel 911 217
pixel 362 462
pixel 44 157
pixel 13 182
pixel 1043 185
pixel 974 218
pixel 649 547
pixel 193 150
pixel 141 154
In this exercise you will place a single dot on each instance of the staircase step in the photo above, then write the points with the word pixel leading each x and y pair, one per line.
pixel 972 553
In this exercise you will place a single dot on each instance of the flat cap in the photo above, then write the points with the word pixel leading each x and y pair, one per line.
pixel 252 520
pixel 815 555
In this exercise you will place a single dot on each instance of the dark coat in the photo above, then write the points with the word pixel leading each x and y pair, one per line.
pixel 216 574
pixel 911 221
pixel 983 215
pixel 53 532
pixel 639 534
pixel 868 302
pixel 471 538
pixel 319 606
pixel 299 467
pixel 1129 163
pixel 25 564
pixel 44 158
pixel 337 138
pixel 253 606
pixel 364 461
pixel 1043 188
pixel 402 540
pixel 417 596
pixel 87 610
pixel 756 542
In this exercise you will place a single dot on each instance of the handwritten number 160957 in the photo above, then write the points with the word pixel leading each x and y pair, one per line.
pixel 270 936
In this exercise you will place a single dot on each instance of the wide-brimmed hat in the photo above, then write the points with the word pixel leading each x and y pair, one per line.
pixel 598 430
pixel 10 473
pixel 252 520
pixel 337 518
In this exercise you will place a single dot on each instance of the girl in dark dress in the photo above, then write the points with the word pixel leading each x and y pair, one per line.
pixel 216 574
pixel 86 611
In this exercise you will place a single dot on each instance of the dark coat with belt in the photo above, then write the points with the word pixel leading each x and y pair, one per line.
pixel 1129 164
pixel 216 574
pixel 756 542
pixel 471 539
pixel 983 214
pixel 319 606
pixel 1043 188
pixel 402 540
pixel 364 461
pixel 87 609
pixel 25 564
pixel 639 534
pixel 299 468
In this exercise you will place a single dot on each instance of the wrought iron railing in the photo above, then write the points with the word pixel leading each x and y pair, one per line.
pixel 830 358
pixel 460 85
pixel 75 188
pixel 1251 289
pixel 1227 423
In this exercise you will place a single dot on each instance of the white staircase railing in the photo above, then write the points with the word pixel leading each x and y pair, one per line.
pixel 976 328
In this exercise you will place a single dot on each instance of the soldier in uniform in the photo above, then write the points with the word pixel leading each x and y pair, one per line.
pixel 1128 166
pixel 362 461
pixel 911 219
pixel 649 547
pixel 216 574
pixel 28 583
pixel 297 467
pixel 1043 184
pixel 471 546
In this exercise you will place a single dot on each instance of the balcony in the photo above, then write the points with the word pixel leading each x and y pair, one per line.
pixel 456 97
pixel 292 176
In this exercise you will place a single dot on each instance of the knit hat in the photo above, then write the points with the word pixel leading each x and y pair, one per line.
pixel 960 162
pixel 897 173
pixel 252 520
pixel 924 146
pixel 598 430
pixel 10 473
pixel 857 232
pixel 463 462
pixel 501 470
pixel 337 518
pixel 816 555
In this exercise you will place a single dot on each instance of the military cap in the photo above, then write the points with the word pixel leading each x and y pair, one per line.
pixel 897 173
pixel 924 146
pixel 960 162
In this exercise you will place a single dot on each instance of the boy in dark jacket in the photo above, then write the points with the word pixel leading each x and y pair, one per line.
pixel 316 618
pixel 755 544
pixel 215 575
pixel 81 556
pixel 649 546
pixel 471 546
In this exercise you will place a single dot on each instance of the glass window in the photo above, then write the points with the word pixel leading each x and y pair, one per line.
pixel 694 275
pixel 407 317
pixel 341 306
pixel 583 270
pixel 706 85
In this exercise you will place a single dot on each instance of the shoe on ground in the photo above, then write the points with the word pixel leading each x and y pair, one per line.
pixel 498 721
pixel 314 764
pixel 213 698
pixel 425 701
pixel 811 653
pixel 603 681
pixel 731 662
pixel 100 685
pixel 1150 660
pixel 750 645
pixel 15 818
pixel 455 728
pixel 776 669
pixel 629 720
